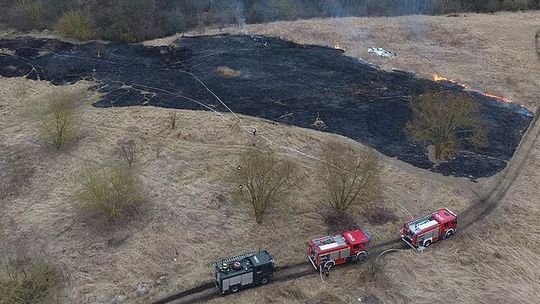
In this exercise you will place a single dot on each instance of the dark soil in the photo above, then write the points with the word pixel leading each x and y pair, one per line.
pixel 336 222
pixel 278 80
pixel 379 216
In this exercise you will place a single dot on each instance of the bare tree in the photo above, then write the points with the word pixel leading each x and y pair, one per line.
pixel 445 120
pixel 128 150
pixel 351 177
pixel 537 41
pixel 172 119
pixel 263 180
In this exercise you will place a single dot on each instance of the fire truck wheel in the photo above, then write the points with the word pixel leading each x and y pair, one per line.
pixel 264 281
pixel 427 243
pixel 234 288
pixel 360 256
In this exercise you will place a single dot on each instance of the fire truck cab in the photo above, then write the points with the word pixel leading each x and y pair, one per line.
pixel 429 229
pixel 348 246
pixel 243 271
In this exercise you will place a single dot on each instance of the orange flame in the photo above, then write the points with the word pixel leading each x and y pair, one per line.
pixel 439 78
pixel 500 98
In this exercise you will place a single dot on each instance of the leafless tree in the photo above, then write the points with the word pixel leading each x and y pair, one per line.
pixel 537 40
pixel 351 177
pixel 128 150
pixel 445 120
pixel 263 180
pixel 100 49
pixel 172 119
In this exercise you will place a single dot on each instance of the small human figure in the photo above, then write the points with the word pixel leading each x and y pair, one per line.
pixel 254 132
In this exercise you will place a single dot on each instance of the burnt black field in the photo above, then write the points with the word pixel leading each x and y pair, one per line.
pixel 280 81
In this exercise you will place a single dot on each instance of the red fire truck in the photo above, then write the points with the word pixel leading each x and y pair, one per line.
pixel 430 228
pixel 348 246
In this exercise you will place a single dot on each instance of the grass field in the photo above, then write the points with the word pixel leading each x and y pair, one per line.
pixel 190 219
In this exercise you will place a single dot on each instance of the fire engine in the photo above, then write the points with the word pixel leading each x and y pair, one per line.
pixel 348 246
pixel 429 229
pixel 250 269
pixel 243 271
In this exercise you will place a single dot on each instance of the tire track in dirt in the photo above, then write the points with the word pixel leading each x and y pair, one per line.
pixel 486 204
pixel 284 273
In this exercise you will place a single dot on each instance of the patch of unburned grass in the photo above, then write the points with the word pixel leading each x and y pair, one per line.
pixel 228 72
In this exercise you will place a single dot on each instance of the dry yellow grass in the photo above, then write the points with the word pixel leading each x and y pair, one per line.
pixel 191 217
pixel 227 72
pixel 496 261
pixel 191 221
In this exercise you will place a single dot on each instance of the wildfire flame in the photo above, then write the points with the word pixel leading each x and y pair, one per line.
pixel 500 98
pixel 439 78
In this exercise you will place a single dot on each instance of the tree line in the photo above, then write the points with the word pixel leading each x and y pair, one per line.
pixel 137 20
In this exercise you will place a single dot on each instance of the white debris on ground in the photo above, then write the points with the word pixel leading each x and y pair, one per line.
pixel 382 52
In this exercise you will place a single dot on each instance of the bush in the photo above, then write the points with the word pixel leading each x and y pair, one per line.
pixel 350 177
pixel 77 25
pixel 28 281
pixel 59 119
pixel 445 120
pixel 111 194
pixel 264 180
pixel 30 14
